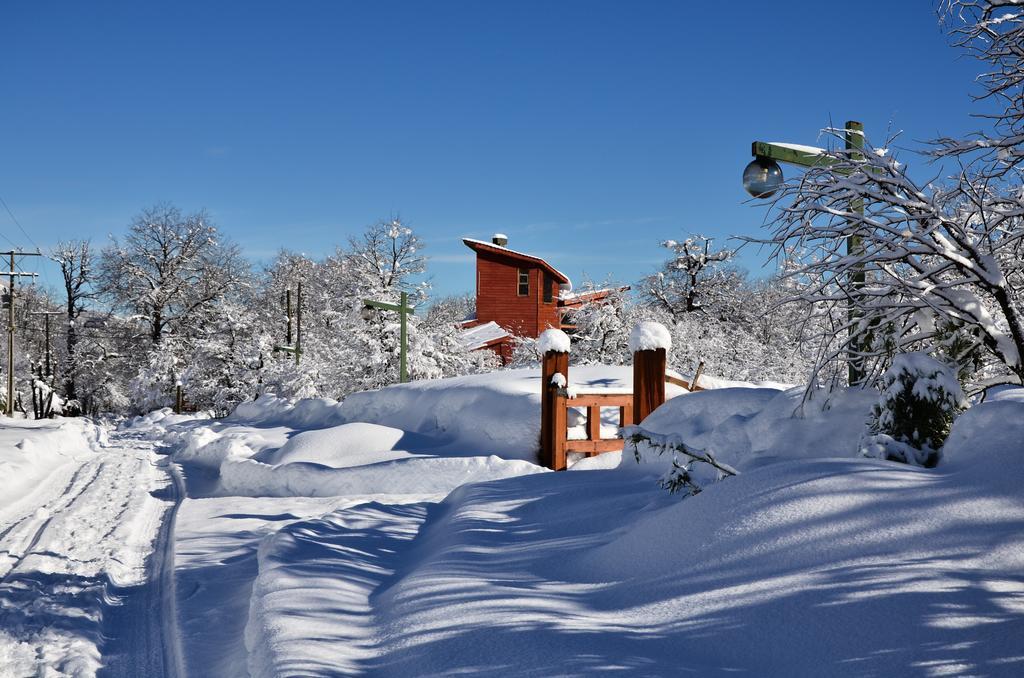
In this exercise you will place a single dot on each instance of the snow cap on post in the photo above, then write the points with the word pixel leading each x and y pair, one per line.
pixel 649 336
pixel 553 340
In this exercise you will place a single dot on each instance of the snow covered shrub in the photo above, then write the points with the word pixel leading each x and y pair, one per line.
pixel 691 469
pixel 920 399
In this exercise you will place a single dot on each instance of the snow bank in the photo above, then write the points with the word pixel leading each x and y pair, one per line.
pixel 708 383
pixel 838 567
pixel 496 413
pixel 345 445
pixel 649 336
pixel 300 576
pixel 32 450
pixel 350 459
pixel 209 448
pixel 989 436
pixel 270 410
pixel 411 475
pixel 161 419
pixel 742 425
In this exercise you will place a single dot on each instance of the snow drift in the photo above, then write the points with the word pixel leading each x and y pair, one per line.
pixel 741 426
pixel 496 413
pixel 808 565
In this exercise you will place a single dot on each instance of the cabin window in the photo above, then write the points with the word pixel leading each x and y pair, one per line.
pixel 524 282
pixel 549 289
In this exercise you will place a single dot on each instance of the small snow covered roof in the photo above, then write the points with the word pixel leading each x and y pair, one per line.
pixel 580 298
pixel 483 335
pixel 484 246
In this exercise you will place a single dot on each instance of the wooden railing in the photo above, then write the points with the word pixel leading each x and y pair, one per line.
pixel 669 379
pixel 556 400
pixel 649 379
pixel 593 444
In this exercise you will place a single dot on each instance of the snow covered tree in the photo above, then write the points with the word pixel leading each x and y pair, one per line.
pixel 451 310
pixel 385 258
pixel 925 255
pixel 695 279
pixel 920 398
pixel 75 259
pixel 923 249
pixel 603 327
pixel 168 267
pixel 341 351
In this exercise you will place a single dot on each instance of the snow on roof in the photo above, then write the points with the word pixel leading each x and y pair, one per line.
pixel 567 296
pixel 473 243
pixel 579 298
pixel 482 335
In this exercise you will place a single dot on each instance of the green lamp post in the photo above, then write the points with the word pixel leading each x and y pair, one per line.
pixel 763 177
pixel 403 309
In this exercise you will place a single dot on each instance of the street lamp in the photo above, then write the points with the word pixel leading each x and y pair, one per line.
pixel 403 309
pixel 763 177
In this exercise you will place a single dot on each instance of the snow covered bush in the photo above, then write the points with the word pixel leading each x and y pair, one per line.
pixel 920 399
pixel 691 469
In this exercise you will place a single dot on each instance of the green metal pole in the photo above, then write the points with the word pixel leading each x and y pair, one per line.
pixel 402 311
pixel 855 248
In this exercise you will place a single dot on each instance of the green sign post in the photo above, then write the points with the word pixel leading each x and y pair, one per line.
pixel 403 309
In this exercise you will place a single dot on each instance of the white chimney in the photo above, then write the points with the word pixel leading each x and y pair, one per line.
pixel 499 239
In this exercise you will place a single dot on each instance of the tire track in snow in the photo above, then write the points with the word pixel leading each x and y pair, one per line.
pixel 26 532
pixel 94 554
pixel 142 635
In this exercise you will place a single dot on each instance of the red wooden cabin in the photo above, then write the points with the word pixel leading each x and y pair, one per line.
pixel 517 294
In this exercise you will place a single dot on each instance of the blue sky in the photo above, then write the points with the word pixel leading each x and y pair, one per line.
pixel 586 131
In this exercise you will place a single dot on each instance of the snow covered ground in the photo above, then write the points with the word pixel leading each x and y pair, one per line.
pixel 810 562
pixel 79 517
pixel 405 533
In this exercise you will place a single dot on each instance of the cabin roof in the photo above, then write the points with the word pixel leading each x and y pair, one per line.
pixel 483 246
pixel 480 336
pixel 573 299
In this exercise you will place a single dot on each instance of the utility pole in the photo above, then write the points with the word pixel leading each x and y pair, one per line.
pixel 298 324
pixel 289 347
pixel 288 314
pixel 46 318
pixel 12 275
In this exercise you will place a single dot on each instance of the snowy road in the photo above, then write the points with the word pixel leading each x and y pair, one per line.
pixel 76 579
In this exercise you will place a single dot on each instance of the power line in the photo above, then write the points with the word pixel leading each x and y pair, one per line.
pixel 18 224
pixel 11 242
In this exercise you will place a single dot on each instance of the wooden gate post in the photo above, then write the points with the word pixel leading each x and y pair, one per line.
pixel 552 404
pixel 649 342
pixel 648 382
